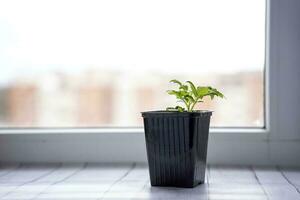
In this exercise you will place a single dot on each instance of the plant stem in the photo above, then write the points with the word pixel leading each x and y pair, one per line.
pixel 193 105
pixel 186 104
pixel 189 107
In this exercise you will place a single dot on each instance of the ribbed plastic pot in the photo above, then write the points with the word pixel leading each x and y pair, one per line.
pixel 176 144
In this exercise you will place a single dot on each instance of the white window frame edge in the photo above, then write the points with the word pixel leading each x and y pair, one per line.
pixel 226 146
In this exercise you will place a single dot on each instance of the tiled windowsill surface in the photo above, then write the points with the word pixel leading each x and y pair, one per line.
pixel 108 181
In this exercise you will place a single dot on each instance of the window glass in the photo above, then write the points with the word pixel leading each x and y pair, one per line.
pixel 66 63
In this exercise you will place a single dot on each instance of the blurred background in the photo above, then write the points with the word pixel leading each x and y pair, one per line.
pixel 103 62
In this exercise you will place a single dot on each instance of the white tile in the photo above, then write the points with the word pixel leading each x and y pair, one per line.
pixel 169 193
pixel 6 188
pixel 293 175
pixel 63 172
pixel 100 172
pixel 122 182
pixel 138 173
pixel 237 197
pixel 30 188
pixel 7 168
pixel 281 192
pixel 32 180
pixel 27 173
pixel 231 175
pixel 269 175
pixel 69 196
pixel 21 196
pixel 216 188
pixel 275 184
pixel 79 187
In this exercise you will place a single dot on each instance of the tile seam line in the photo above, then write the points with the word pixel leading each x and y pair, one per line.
pixel 286 178
pixel 31 181
pixel 258 181
pixel 118 180
pixel 60 181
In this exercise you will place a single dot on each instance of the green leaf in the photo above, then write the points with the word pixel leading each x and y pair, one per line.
pixel 179 108
pixel 170 108
pixel 189 98
pixel 184 87
pixel 216 92
pixel 202 91
pixel 194 90
pixel 179 94
pixel 176 81
pixel 182 93
pixel 172 92
pixel 190 95
pixel 220 94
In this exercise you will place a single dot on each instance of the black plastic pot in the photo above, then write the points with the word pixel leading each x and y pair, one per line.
pixel 176 145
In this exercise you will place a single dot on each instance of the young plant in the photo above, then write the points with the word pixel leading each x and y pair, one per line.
pixel 190 95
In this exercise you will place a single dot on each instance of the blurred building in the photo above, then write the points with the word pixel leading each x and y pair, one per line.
pixel 96 98
pixel 243 105
pixel 21 99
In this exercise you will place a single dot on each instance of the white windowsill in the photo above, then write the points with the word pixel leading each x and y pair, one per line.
pixel 116 130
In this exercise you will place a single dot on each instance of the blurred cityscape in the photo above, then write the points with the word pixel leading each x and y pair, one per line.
pixel 95 98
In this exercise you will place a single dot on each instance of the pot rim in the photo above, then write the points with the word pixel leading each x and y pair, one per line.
pixel 176 113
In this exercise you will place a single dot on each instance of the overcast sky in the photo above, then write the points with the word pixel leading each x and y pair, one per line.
pixel 138 35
